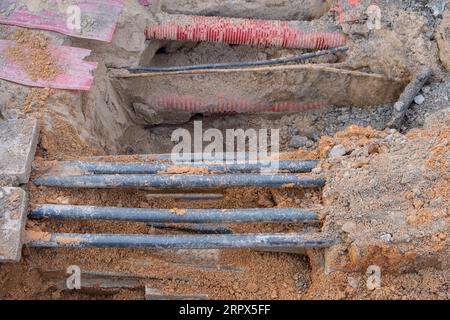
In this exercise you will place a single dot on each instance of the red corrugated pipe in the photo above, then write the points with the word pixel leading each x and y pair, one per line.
pixel 187 103
pixel 269 33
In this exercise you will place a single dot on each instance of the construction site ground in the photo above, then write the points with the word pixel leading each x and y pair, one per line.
pixel 387 194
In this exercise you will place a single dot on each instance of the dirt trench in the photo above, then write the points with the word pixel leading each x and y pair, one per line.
pixel 122 117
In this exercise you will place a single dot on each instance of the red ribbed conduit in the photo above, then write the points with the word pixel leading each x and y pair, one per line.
pixel 269 33
pixel 192 104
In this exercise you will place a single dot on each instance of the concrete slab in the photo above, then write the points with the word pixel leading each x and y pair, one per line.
pixel 18 141
pixel 13 213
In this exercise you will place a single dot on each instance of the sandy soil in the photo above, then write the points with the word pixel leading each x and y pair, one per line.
pixel 386 198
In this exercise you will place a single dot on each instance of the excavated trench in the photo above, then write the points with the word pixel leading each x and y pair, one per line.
pixel 299 98
pixel 319 97
pixel 233 274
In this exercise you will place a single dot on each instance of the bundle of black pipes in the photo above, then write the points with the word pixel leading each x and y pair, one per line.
pixel 203 221
pixel 163 215
pixel 291 166
pixel 262 241
pixel 179 181
pixel 219 238
pixel 152 175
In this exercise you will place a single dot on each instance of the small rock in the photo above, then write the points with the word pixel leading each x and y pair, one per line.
pixel 442 236
pixel 337 151
pixel 317 170
pixel 426 89
pixel 399 106
pixel 386 237
pixel 262 56
pixel 428 34
pixel 392 131
pixel 436 202
pixel 343 118
pixel 437 6
pixel 302 281
pixel 417 204
pixel 352 282
pixel 63 200
pixel 374 148
pixel 358 153
pixel 300 142
pixel 389 138
pixel 315 135
pixel 419 99
pixel 361 163
pixel 348 227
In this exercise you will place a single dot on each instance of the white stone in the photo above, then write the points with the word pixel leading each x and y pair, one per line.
pixel 386 237
pixel 337 151
pixel 419 99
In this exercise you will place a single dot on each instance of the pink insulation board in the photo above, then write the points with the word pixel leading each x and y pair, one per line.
pixel 76 73
pixel 97 19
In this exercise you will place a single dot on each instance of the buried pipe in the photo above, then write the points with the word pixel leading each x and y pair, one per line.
pixel 268 33
pixel 181 181
pixel 230 241
pixel 153 168
pixel 284 60
pixel 198 157
pixel 163 215
pixel 96 279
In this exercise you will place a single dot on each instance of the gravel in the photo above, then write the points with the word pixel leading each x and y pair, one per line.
pixel 337 151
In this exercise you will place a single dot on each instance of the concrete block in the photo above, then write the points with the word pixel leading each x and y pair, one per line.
pixel 13 213
pixel 18 141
